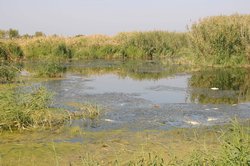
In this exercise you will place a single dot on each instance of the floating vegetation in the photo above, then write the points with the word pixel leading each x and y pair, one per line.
pixel 86 110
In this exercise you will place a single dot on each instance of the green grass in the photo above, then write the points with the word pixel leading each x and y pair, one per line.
pixel 8 72
pixel 23 110
pixel 10 51
pixel 221 145
pixel 233 149
pixel 50 69
pixel 30 109
pixel 223 40
pixel 87 110
pixel 217 40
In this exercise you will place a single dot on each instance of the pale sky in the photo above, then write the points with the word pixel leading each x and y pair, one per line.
pixel 72 17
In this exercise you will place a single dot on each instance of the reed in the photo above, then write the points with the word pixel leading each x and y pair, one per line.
pixel 217 40
pixel 23 110
pixel 221 39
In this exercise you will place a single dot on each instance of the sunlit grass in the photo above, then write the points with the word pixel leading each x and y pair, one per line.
pixel 225 145
pixel 23 110
pixel 86 110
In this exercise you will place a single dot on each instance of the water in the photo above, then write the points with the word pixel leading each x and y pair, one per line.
pixel 150 95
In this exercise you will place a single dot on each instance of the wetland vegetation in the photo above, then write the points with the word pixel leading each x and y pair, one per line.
pixel 218 40
pixel 64 98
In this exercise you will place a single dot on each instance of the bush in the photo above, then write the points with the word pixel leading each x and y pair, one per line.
pixel 38 48
pixel 3 51
pixel 153 44
pixel 20 110
pixel 8 73
pixel 10 51
pixel 15 50
pixel 221 39
pixel 235 146
pixel 63 50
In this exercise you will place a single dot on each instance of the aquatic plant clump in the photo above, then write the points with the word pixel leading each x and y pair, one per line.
pixel 86 110
pixel 20 110
pixel 8 73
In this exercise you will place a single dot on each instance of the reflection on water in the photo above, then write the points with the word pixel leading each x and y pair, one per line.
pixel 155 91
pixel 151 95
pixel 127 77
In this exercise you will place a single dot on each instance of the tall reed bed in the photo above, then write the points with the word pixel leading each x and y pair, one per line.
pixel 10 51
pixel 222 40
pixel 133 45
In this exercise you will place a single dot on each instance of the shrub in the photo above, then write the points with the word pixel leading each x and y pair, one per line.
pixel 63 50
pixel 152 44
pixel 8 73
pixel 235 145
pixel 10 51
pixel 15 50
pixel 3 51
pixel 20 110
pixel 221 39
pixel 13 33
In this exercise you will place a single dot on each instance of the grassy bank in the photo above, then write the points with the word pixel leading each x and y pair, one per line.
pixel 24 108
pixel 218 40
pixel 225 145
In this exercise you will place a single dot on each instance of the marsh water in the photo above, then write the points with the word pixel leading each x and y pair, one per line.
pixel 145 107
pixel 150 95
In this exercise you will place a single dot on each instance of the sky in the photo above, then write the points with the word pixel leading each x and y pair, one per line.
pixel 73 17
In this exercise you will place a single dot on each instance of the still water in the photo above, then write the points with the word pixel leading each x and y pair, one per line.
pixel 151 95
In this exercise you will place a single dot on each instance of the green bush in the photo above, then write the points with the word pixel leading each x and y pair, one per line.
pixel 235 146
pixel 15 50
pixel 63 50
pixel 3 51
pixel 217 40
pixel 221 39
pixel 153 44
pixel 39 48
pixel 10 51
pixel 8 73
pixel 20 110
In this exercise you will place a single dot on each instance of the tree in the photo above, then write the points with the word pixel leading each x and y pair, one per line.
pixel 13 33
pixel 26 36
pixel 39 34
pixel 3 34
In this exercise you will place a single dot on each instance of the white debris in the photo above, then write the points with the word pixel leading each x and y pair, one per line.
pixel 215 108
pixel 109 120
pixel 209 119
pixel 192 122
pixel 214 88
